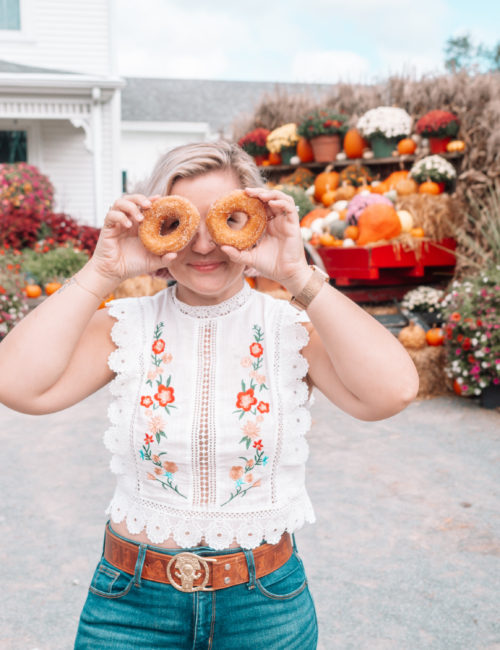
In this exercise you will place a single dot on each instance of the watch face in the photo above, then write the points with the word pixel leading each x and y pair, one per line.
pixel 316 268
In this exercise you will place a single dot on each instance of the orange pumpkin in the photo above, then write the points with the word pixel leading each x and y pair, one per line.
pixel 457 388
pixel 33 290
pixel 417 232
pixel 393 179
pixel 435 336
pixel 274 158
pixel 354 144
pixel 328 197
pixel 381 188
pixel 407 146
pixel 378 221
pixel 351 232
pixel 406 186
pixel 455 145
pixel 327 239
pixel 52 287
pixel 317 213
pixel 345 193
pixel 429 187
pixel 304 150
pixel 324 182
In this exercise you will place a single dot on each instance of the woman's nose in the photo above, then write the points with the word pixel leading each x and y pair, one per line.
pixel 202 241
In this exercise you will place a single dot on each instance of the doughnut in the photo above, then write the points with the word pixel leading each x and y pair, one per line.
pixel 221 210
pixel 156 232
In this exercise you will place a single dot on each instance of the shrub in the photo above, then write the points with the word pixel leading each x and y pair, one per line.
pixel 55 265
pixel 24 187
pixel 13 302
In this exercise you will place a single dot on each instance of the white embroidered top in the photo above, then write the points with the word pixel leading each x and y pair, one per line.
pixel 209 419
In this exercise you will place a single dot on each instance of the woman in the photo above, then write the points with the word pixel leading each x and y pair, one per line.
pixel 211 383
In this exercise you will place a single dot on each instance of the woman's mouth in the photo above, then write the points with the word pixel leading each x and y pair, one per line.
pixel 205 267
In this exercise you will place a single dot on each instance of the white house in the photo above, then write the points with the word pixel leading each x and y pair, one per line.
pixel 91 132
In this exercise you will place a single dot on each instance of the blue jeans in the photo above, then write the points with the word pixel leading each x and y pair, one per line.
pixel 124 611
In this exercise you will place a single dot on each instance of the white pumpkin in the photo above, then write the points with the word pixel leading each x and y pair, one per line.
pixel 338 206
pixel 318 226
pixel 306 234
pixel 331 217
pixel 406 220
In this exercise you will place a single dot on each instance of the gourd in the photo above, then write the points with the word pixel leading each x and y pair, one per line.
pixel 353 144
pixel 351 232
pixel 417 232
pixel 274 158
pixel 328 198
pixel 324 182
pixel 406 220
pixel 304 150
pixel 378 221
pixel 407 146
pixel 412 336
pixel 435 336
pixel 317 213
pixel 393 179
pixel 52 287
pixel 406 186
pixel 33 290
pixel 355 175
pixel 455 145
pixel 337 228
pixel 346 192
pixel 429 187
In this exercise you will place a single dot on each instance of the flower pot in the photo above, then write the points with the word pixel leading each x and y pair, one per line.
pixel 259 159
pixel 438 145
pixel 383 147
pixel 490 397
pixel 325 147
pixel 287 154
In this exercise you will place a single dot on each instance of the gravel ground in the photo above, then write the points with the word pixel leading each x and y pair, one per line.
pixel 405 553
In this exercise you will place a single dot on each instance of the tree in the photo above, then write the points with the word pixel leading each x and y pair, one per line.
pixel 462 54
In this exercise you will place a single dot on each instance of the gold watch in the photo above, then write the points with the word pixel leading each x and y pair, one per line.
pixel 311 288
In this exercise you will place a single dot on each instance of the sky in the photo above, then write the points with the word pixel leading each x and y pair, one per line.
pixel 316 41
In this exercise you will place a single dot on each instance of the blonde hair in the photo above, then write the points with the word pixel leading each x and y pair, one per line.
pixel 199 158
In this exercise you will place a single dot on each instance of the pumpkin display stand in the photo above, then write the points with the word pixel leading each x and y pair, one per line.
pixel 386 271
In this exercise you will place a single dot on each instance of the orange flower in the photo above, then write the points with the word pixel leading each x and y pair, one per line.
pixel 249 478
pixel 455 317
pixel 257 483
pixel 170 466
pixel 236 472
pixel 146 401
pixel 256 349
pixel 263 407
pixel 158 346
pixel 246 399
pixel 165 395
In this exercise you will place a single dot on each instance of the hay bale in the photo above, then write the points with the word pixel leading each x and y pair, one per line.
pixel 142 285
pixel 430 363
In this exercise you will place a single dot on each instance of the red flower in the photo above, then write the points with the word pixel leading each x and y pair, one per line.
pixel 245 400
pixel 165 395
pixel 158 346
pixel 256 349
pixel 258 444
pixel 148 439
pixel 263 407
pixel 466 344
pixel 146 401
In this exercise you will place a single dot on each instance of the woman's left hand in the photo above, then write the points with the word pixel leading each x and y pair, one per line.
pixel 279 255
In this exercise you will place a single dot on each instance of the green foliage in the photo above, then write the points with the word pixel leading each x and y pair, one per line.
pixel 462 54
pixel 57 264
pixel 302 201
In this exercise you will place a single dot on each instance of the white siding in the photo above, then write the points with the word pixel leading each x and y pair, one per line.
pixel 69 166
pixel 63 35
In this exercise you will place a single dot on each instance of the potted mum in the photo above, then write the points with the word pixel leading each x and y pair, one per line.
pixel 472 326
pixel 436 169
pixel 384 127
pixel 323 128
pixel 283 140
pixel 13 301
pixel 254 143
pixel 439 127
pixel 426 303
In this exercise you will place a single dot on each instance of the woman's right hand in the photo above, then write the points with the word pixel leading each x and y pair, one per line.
pixel 119 253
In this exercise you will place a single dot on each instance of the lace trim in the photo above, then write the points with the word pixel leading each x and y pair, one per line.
pixel 216 530
pixel 212 311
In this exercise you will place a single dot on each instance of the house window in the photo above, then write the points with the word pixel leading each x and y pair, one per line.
pixel 13 146
pixel 10 14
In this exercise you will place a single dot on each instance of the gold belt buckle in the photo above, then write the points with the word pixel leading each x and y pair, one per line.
pixel 188 568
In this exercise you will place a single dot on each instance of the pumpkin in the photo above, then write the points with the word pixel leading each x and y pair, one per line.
pixel 413 336
pixel 406 220
pixel 380 188
pixel 337 229
pixel 52 287
pixel 457 387
pixel 353 144
pixel 393 179
pixel 274 158
pixel 406 186
pixel 417 232
pixel 351 232
pixel 327 239
pixel 378 221
pixel 328 197
pixel 304 150
pixel 407 146
pixel 435 336
pixel 324 182
pixel 455 145
pixel 429 187
pixel 33 290
pixel 317 213
pixel 345 193
pixel 355 175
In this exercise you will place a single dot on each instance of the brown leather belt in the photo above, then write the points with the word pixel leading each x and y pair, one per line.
pixel 191 572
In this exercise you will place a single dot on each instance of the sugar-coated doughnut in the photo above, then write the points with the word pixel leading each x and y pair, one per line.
pixel 156 232
pixel 237 201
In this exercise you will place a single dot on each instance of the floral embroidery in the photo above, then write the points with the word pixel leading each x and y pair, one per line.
pixel 162 397
pixel 248 404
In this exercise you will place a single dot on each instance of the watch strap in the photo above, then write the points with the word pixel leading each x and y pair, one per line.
pixel 311 288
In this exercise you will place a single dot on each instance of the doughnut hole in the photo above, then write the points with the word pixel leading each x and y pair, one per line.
pixel 168 226
pixel 237 220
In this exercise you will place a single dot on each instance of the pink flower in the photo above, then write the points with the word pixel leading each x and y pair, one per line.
pixel 246 362
pixel 251 430
pixel 156 424
pixel 167 357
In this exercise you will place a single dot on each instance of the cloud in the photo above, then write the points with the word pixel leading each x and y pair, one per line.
pixel 329 66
